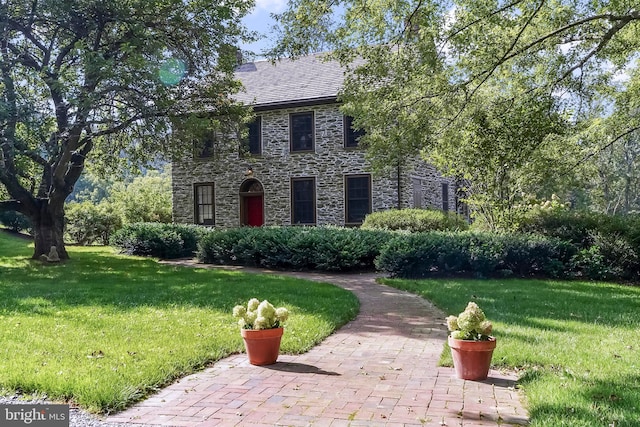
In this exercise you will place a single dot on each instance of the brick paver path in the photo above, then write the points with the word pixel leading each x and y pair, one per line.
pixel 379 370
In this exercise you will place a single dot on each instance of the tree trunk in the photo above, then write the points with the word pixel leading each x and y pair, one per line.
pixel 48 228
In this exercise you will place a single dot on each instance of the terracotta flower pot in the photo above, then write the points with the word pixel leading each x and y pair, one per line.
pixel 263 346
pixel 471 359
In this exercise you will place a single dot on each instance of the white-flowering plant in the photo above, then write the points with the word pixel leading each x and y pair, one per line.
pixel 471 324
pixel 260 315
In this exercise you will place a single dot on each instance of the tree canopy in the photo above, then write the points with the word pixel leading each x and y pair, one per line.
pixel 458 81
pixel 102 82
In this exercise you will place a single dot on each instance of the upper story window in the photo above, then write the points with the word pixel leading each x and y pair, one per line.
pixel 351 135
pixel 303 201
pixel 301 132
pixel 205 148
pixel 204 204
pixel 357 198
pixel 254 139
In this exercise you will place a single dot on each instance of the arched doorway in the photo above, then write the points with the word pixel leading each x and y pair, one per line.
pixel 251 203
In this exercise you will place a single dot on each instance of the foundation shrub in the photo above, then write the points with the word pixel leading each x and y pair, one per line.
pixel 419 255
pixel 471 253
pixel 415 220
pixel 299 248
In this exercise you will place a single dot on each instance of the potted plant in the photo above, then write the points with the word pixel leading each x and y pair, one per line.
pixel 261 329
pixel 470 343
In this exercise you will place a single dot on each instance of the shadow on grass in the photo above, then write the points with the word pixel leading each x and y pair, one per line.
pixel 593 401
pixel 540 304
pixel 98 277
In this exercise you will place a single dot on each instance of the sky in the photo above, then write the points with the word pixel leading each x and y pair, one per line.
pixel 260 20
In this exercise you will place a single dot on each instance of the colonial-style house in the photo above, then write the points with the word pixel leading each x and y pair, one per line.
pixel 303 164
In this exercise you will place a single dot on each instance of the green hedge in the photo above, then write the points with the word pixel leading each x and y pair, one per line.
pixel 158 240
pixel 481 254
pixel 609 245
pixel 409 255
pixel 579 227
pixel 415 220
pixel 298 248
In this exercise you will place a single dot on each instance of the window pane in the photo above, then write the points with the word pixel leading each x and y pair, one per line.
pixel 358 198
pixel 303 201
pixel 351 135
pixel 204 207
pixel 205 148
pixel 301 132
pixel 255 136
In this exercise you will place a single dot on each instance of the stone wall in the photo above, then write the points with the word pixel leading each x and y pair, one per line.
pixel 276 166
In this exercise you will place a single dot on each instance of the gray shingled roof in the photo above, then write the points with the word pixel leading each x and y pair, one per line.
pixel 309 78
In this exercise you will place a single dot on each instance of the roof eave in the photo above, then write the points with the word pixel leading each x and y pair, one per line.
pixel 294 103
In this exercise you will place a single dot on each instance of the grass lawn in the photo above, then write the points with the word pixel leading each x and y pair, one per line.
pixel 103 330
pixel 577 343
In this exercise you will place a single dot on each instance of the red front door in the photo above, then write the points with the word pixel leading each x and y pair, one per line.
pixel 255 215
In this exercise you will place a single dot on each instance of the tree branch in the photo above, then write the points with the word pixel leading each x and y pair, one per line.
pixel 607 145
pixel 26 31
pixel 474 22
pixel 489 73
pixel 603 42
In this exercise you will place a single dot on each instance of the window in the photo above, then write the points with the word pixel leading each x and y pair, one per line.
pixel 351 135
pixel 417 193
pixel 205 148
pixel 445 196
pixel 357 198
pixel 303 201
pixel 301 131
pixel 204 204
pixel 254 140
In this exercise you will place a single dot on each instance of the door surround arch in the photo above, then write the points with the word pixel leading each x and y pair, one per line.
pixel 251 203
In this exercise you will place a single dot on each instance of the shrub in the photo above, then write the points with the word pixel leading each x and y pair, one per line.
pixel 610 257
pixel 302 248
pixel 483 254
pixel 145 199
pixel 411 256
pixel 15 221
pixel 579 227
pixel 608 245
pixel 571 226
pixel 415 220
pixel 158 240
pixel 87 223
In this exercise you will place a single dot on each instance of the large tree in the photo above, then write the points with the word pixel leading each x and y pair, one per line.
pixel 102 81
pixel 612 174
pixel 425 74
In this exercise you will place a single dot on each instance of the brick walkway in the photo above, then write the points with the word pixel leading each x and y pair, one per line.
pixel 379 370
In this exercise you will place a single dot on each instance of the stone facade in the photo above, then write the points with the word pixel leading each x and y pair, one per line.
pixel 275 168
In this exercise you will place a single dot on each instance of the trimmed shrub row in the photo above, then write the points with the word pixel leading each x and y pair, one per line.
pixel 415 220
pixel 580 227
pixel 296 248
pixel 609 245
pixel 612 256
pixel 158 240
pixel 481 254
